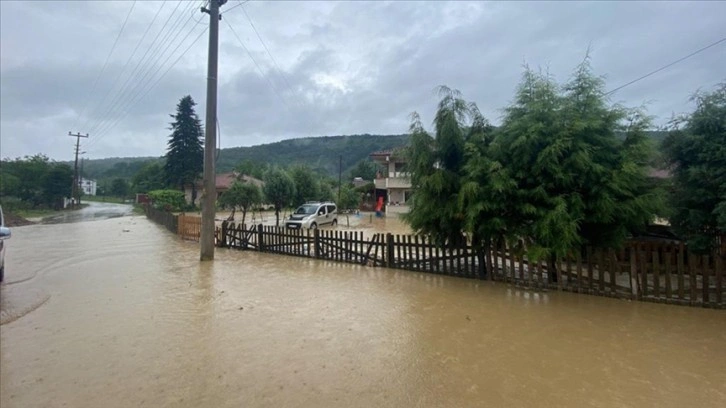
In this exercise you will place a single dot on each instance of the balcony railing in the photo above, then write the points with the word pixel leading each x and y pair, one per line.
pixel 393 182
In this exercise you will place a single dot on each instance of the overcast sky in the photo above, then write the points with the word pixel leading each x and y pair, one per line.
pixel 339 67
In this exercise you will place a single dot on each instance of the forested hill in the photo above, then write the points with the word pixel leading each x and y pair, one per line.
pixel 321 154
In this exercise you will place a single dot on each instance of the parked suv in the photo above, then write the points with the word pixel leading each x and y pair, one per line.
pixel 313 215
pixel 4 234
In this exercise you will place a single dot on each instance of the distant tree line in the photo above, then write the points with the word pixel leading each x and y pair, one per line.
pixel 34 182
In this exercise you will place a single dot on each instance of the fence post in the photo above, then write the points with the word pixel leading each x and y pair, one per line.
pixel 316 243
pixel 260 242
pixel 223 238
pixel 481 258
pixel 389 250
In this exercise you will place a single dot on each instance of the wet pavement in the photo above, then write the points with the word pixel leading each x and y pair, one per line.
pixel 118 312
pixel 94 211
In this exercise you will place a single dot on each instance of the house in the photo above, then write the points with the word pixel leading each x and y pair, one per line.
pixel 394 184
pixel 87 186
pixel 222 183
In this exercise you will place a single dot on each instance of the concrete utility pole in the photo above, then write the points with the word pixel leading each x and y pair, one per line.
pixel 209 189
pixel 340 175
pixel 74 191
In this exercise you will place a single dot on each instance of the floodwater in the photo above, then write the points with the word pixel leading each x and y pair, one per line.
pixel 118 312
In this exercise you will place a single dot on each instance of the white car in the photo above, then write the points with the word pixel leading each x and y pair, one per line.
pixel 4 234
pixel 312 215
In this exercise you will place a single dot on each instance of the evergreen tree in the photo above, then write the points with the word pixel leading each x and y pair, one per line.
pixel 696 153
pixel 185 153
pixel 436 165
pixel 577 182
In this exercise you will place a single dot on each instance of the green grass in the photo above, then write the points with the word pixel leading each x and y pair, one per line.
pixel 42 212
pixel 139 209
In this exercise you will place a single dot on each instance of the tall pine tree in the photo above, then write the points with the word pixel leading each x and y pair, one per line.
pixel 185 152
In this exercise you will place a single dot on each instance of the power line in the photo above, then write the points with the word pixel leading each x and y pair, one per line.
pixel 667 66
pixel 259 37
pixel 136 97
pixel 143 78
pixel 236 5
pixel 154 84
pixel 105 63
pixel 123 89
pixel 159 51
pixel 128 60
pixel 257 65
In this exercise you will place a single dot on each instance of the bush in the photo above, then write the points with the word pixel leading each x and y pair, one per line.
pixel 168 200
pixel 10 203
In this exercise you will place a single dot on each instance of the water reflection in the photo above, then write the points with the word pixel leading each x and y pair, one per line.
pixel 132 318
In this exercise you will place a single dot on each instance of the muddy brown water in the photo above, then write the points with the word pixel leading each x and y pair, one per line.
pixel 119 313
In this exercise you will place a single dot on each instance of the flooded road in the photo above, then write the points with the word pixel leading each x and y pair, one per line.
pixel 120 313
pixel 94 211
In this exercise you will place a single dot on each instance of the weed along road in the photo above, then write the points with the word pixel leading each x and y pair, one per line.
pixel 118 312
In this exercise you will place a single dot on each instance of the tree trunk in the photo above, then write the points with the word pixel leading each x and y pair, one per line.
pixel 277 216
pixel 244 215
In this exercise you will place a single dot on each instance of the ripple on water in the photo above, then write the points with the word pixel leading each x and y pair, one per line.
pixel 17 300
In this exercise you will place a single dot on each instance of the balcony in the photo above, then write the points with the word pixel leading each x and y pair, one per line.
pixel 393 182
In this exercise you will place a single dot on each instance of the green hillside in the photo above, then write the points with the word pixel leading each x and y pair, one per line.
pixel 322 154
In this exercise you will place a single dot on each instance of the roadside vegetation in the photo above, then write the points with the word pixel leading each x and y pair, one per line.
pixel 565 169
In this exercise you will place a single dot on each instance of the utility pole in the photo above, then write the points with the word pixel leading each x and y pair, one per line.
pixel 74 191
pixel 209 189
pixel 340 175
pixel 80 181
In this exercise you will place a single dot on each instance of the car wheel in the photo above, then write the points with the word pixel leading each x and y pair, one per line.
pixel 335 222
pixel 313 226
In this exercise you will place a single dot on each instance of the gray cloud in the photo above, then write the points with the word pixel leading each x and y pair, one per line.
pixel 344 67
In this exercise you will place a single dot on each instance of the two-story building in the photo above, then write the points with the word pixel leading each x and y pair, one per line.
pixel 394 183
pixel 87 186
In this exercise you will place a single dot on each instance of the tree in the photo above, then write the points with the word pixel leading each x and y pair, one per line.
pixel 150 177
pixel 349 197
pixel 437 169
pixel 279 190
pixel 185 153
pixel 119 188
pixel 242 195
pixel 252 168
pixel 57 184
pixel 576 181
pixel 306 185
pixel 24 177
pixel 696 153
pixel 365 169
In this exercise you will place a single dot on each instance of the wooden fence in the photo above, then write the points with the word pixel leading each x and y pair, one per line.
pixel 186 226
pixel 164 218
pixel 189 227
pixel 648 271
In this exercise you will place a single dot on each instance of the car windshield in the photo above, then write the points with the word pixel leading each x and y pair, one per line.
pixel 306 209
